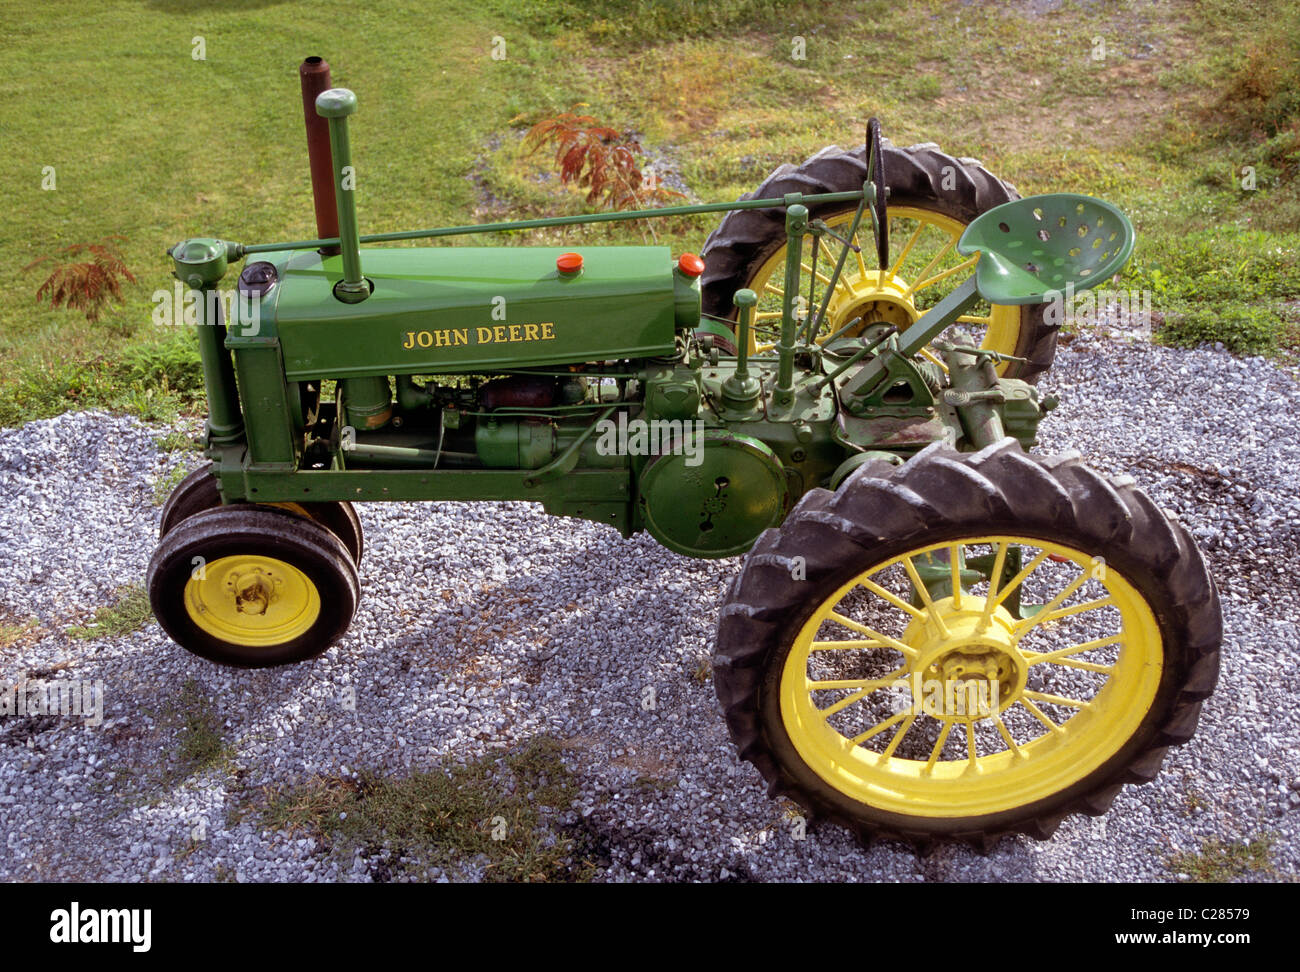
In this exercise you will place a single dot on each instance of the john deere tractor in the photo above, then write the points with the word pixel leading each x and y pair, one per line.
pixel 935 634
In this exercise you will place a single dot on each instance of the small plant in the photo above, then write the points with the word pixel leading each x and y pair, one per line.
pixel 177 440
pixel 88 285
pixel 10 633
pixel 1242 330
pixel 163 485
pixel 129 611
pixel 486 812
pixel 1219 861
pixel 201 742
pixel 597 158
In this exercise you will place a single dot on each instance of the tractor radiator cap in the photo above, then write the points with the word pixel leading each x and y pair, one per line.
pixel 257 278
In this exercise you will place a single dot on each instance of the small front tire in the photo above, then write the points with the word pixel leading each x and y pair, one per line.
pixel 252 586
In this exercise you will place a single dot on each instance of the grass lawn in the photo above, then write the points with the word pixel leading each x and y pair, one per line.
pixel 151 144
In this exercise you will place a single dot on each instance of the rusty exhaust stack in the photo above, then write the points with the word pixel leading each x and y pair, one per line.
pixel 314 73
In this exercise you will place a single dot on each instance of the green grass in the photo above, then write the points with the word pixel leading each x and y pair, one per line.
pixel 163 485
pixel 151 144
pixel 10 633
pixel 130 610
pixel 201 745
pixel 486 813
pixel 1217 861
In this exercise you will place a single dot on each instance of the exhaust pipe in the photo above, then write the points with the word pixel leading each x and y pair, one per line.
pixel 314 74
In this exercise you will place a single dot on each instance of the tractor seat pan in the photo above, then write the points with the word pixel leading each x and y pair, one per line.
pixel 1032 249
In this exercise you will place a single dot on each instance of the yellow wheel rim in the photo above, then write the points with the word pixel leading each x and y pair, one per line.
pixel 251 601
pixel 1038 703
pixel 925 267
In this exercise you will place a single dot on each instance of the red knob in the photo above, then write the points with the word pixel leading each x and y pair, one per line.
pixel 568 262
pixel 690 264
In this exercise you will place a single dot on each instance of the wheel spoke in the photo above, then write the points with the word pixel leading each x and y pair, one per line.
pixel 938 748
pixel 846 645
pixel 879 727
pixel 924 595
pixel 841 704
pixel 1006 737
pixel 891 597
pixel 975 319
pixel 907 248
pixel 907 650
pixel 1037 713
pixel 1024 626
pixel 772 288
pixel 931 281
pixel 1016 581
pixel 862 264
pixel 955 561
pixel 1093 605
pixel 854 683
pixel 898 736
pixel 991 602
pixel 1054 699
pixel 930 266
pixel 1039 657
pixel 767 316
pixel 821 277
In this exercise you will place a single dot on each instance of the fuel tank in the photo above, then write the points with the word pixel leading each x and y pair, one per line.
pixel 447 310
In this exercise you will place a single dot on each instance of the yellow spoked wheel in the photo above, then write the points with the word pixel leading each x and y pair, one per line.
pixel 932 198
pixel 252 586
pixel 955 706
pixel 976 645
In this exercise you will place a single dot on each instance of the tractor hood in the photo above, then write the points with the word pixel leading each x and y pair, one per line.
pixel 441 310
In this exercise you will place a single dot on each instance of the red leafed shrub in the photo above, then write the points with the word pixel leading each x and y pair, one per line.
pixel 598 159
pixel 85 286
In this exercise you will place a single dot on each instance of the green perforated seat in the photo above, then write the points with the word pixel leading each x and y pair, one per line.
pixel 1032 249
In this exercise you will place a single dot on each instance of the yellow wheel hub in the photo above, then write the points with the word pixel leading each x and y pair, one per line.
pixel 955 707
pixel 967 666
pixel 925 268
pixel 251 601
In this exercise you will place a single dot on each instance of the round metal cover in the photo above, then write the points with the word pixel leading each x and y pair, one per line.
pixel 715 498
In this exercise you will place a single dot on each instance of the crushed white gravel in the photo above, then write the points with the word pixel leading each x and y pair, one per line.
pixel 482 625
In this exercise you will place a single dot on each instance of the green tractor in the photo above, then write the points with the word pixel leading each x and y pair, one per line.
pixel 934 635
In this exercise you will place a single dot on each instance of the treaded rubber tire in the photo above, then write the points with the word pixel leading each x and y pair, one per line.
pixel 746 239
pixel 243 528
pixel 943 494
pixel 198 492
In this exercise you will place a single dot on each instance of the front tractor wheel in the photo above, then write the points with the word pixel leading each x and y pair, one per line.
pixel 971 646
pixel 198 492
pixel 252 586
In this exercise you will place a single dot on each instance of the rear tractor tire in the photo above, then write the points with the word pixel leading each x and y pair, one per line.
pixel 968 646
pixel 932 197
pixel 252 586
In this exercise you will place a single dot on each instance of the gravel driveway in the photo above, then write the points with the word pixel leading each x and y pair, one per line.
pixel 482 626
